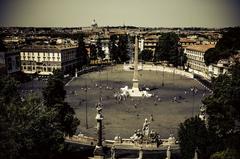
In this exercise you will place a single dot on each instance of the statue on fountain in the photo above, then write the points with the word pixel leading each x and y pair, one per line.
pixel 145 129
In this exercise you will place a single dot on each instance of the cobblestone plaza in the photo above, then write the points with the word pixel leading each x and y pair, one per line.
pixel 171 104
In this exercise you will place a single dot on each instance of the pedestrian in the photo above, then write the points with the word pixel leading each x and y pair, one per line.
pixel 135 105
pixel 151 118
pixel 137 116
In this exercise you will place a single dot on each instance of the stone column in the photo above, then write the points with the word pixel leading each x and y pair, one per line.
pixel 98 151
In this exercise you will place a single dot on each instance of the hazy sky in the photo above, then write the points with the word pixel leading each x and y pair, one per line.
pixel 153 13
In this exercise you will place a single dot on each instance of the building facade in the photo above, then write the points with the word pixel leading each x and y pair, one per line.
pixel 150 42
pixel 185 42
pixel 10 62
pixel 43 60
pixel 195 59
pixel 221 67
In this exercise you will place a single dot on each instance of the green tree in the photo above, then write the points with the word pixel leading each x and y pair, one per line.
pixel 113 47
pixel 167 49
pixel 54 95
pixel 82 53
pixel 39 133
pixel 146 55
pixel 223 110
pixel 181 58
pixel 230 40
pixel 9 99
pixel 54 92
pixel 210 56
pixel 225 47
pixel 123 50
pixel 100 52
pixel 28 129
pixel 2 46
pixel 93 52
pixel 65 116
pixel 193 135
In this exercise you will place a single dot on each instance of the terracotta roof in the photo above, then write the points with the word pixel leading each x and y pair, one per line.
pixel 187 40
pixel 200 48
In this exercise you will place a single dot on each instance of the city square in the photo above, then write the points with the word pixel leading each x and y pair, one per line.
pixel 90 79
pixel 170 104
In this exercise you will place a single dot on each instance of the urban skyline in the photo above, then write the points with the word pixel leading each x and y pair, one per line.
pixel 151 13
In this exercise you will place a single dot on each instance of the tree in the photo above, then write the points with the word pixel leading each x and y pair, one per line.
pixel 225 47
pixel 39 133
pixel 93 52
pixel 54 92
pixel 193 135
pixel 167 49
pixel 181 58
pixel 100 52
pixel 146 55
pixel 223 110
pixel 2 46
pixel 54 95
pixel 82 53
pixel 210 56
pixel 230 40
pixel 123 50
pixel 9 99
pixel 28 129
pixel 113 47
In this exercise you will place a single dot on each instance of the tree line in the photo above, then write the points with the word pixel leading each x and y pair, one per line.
pixel 219 137
pixel 225 47
pixel 31 127
pixel 120 49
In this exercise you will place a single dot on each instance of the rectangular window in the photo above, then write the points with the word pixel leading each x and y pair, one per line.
pixel 49 69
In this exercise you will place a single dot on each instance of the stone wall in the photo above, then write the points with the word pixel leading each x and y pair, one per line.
pixel 127 67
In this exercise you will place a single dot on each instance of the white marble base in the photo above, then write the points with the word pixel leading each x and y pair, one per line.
pixel 134 92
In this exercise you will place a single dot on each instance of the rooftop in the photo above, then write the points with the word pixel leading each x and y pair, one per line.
pixel 48 48
pixel 200 48
pixel 187 40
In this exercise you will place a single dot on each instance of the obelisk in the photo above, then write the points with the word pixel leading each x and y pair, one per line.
pixel 134 91
pixel 135 74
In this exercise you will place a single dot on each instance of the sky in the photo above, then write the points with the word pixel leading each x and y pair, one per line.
pixel 144 13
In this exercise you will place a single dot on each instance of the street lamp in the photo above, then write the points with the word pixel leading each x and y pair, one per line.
pixel 86 105
pixel 173 75
pixel 193 90
pixel 163 76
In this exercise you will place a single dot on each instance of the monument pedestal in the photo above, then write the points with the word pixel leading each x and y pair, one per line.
pixel 135 84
